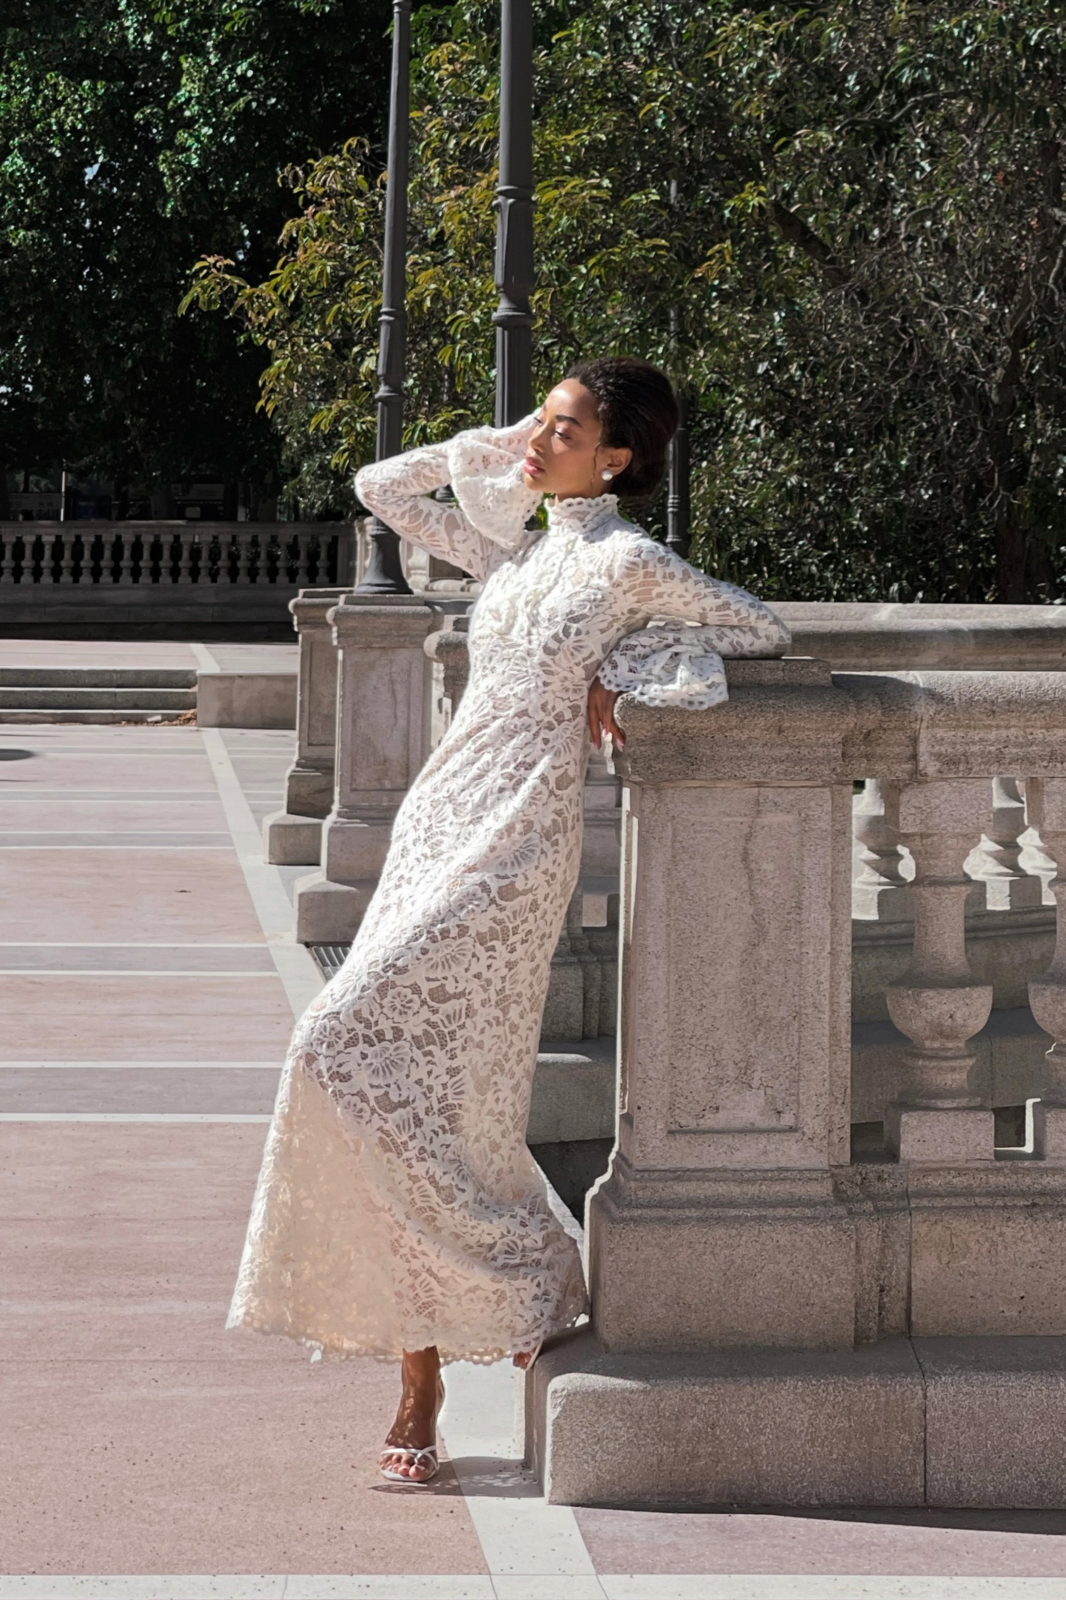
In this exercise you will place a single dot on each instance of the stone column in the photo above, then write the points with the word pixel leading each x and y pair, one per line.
pixel 1046 812
pixel 734 1048
pixel 937 1003
pixel 293 837
pixel 383 734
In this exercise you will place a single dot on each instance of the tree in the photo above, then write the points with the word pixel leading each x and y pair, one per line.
pixel 842 226
pixel 134 136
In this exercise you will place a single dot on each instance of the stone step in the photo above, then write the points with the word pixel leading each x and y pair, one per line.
pixel 98 677
pixel 130 698
pixel 54 714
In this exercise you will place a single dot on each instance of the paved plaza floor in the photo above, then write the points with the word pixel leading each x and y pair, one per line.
pixel 149 982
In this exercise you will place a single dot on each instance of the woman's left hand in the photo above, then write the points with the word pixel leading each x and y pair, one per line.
pixel 601 715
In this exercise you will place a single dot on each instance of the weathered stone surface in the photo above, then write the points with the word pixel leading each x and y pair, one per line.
pixel 996 1419
pixel 985 1247
pixel 879 637
pixel 383 731
pixel 749 1427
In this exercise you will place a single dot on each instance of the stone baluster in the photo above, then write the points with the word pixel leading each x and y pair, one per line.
pixel 936 1003
pixel 125 566
pixel 303 551
pixel 66 555
pixel 293 837
pixel 880 892
pixel 1008 886
pixel 383 734
pixel 7 561
pixel 188 541
pixel 1045 800
pixel 237 556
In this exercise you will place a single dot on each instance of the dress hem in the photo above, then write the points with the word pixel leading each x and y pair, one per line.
pixel 352 1349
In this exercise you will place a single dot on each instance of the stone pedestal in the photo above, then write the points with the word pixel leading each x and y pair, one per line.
pixel 292 837
pixel 735 1058
pixel 383 737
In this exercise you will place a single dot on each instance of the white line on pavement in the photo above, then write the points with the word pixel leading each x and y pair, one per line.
pixel 520 1535
pixel 273 907
pixel 477 1586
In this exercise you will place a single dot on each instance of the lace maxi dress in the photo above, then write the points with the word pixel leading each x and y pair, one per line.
pixel 397 1205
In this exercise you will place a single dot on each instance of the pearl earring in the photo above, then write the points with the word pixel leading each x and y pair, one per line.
pixel 606 476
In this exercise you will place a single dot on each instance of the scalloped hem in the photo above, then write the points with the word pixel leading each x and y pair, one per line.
pixel 358 1349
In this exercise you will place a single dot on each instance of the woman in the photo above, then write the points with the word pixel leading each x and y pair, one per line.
pixel 398 1212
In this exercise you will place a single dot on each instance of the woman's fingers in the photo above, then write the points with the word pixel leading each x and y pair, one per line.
pixel 601 703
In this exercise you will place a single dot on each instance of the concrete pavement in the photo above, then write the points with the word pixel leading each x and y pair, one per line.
pixel 148 989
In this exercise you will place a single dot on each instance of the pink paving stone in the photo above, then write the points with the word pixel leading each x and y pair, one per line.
pixel 214 1466
pixel 161 770
pixel 48 896
pixel 123 1170
pixel 138 1018
pixel 142 1436
pixel 26 813
pixel 741 1542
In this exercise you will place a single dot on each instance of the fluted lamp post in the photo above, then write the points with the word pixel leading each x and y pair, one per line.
pixel 514 216
pixel 384 573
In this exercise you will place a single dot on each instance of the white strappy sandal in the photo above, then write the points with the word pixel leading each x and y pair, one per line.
pixel 393 1450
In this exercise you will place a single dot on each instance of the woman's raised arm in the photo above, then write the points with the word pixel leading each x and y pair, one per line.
pixel 479 463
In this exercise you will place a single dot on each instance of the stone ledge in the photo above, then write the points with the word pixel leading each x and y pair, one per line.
pixel 944 1422
pixel 727 1427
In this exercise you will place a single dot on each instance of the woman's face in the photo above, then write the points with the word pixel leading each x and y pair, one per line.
pixel 565 456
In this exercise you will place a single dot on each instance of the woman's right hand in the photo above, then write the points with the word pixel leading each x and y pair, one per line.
pixel 601 705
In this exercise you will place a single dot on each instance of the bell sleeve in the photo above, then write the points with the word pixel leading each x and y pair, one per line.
pixel 678 661
pixel 484 468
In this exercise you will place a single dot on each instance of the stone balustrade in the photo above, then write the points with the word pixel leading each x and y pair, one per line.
pixel 127 554
pixel 766 1300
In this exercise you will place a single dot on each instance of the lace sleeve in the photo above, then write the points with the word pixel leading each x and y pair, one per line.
pixel 484 468
pixel 679 662
pixel 397 491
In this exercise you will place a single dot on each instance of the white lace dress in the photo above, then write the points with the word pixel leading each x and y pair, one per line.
pixel 397 1205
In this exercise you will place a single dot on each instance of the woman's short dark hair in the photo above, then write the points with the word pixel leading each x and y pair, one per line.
pixel 637 412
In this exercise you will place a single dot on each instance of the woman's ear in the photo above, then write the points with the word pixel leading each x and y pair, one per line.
pixel 615 460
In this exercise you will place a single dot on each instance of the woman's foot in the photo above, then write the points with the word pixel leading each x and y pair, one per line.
pixel 415 1428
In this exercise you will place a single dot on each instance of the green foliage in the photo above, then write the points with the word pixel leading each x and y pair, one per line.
pixel 135 136
pixel 859 279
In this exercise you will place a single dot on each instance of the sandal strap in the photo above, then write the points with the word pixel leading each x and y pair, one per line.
pixel 409 1450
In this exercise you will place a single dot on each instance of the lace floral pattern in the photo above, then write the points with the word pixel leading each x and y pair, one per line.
pixel 397 1204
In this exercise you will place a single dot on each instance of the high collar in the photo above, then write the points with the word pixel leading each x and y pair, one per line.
pixel 582 515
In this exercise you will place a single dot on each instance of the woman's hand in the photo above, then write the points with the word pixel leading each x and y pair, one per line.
pixel 601 715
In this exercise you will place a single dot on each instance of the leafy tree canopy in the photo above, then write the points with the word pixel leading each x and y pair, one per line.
pixel 842 226
pixel 136 135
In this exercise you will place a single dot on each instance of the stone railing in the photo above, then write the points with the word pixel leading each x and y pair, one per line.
pixel 767 1301
pixel 126 554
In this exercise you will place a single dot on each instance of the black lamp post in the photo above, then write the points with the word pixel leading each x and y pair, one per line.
pixel 514 213
pixel 678 501
pixel 384 574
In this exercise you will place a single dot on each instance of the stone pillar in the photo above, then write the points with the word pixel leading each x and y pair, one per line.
pixel 1046 806
pixel 293 837
pixel 937 1003
pixel 383 730
pixel 735 1069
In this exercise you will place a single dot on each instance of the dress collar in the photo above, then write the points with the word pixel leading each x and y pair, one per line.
pixel 583 515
